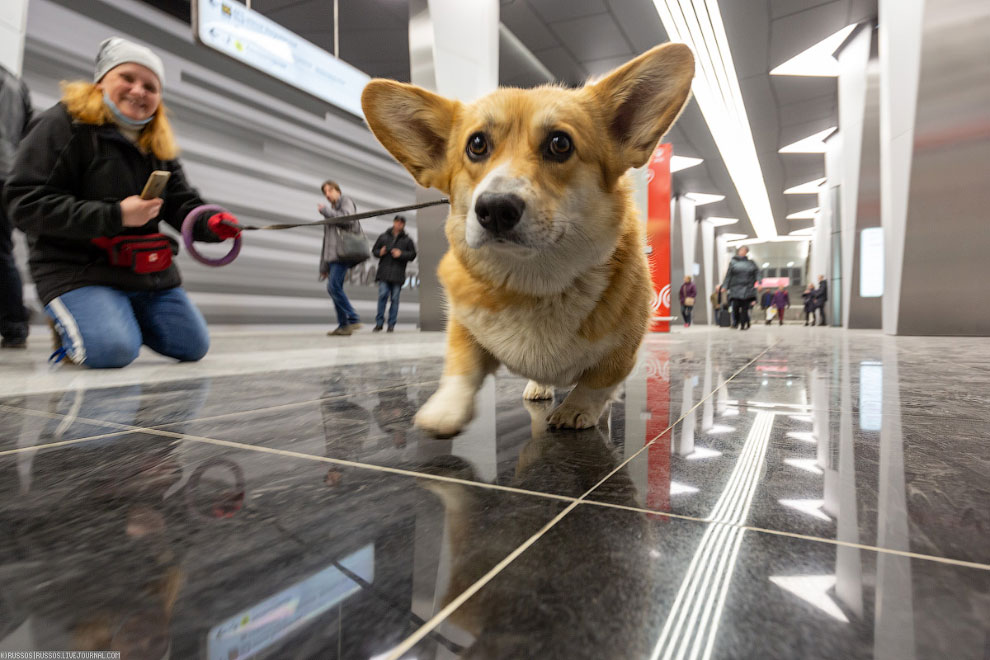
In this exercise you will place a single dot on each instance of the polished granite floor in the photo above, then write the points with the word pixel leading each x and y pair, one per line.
pixel 783 493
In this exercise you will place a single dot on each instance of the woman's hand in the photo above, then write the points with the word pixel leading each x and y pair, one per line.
pixel 137 212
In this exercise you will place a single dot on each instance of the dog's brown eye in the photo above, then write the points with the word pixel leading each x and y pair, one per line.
pixel 559 146
pixel 477 146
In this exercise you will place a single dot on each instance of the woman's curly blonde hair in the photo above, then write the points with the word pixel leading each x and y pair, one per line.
pixel 84 101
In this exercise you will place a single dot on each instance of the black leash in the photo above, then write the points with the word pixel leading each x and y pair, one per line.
pixel 341 219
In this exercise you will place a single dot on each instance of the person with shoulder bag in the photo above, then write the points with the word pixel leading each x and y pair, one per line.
pixel 344 246
pixel 78 190
pixel 687 294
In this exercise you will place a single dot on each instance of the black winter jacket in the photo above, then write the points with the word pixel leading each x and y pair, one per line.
pixel 65 190
pixel 392 269
pixel 740 278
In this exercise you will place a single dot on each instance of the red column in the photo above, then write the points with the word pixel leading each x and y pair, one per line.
pixel 658 233
pixel 658 454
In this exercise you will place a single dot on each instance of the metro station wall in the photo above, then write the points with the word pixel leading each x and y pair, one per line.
pixel 249 143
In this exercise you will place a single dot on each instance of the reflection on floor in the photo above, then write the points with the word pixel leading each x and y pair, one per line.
pixel 781 493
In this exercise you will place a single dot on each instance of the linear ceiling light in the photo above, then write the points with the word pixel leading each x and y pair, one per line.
pixel 760 241
pixel 817 60
pixel 807 214
pixel 729 236
pixel 813 144
pixel 721 222
pixel 678 163
pixel 715 86
pixel 807 231
pixel 809 188
pixel 704 198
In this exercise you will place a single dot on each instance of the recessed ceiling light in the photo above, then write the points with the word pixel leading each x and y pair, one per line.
pixel 817 60
pixel 716 88
pixel 807 214
pixel 704 198
pixel 811 187
pixel 813 144
pixel 790 264
pixel 766 265
pixel 678 163
pixel 721 222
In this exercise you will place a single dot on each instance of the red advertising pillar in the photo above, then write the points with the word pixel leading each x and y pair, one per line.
pixel 658 234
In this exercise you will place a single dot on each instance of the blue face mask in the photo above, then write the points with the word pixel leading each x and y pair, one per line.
pixel 121 117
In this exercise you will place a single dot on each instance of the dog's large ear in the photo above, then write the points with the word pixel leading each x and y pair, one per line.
pixel 641 99
pixel 414 125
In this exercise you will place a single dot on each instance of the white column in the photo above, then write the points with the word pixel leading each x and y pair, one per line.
pixel 708 266
pixel 689 232
pixel 853 60
pixel 900 65
pixel 13 26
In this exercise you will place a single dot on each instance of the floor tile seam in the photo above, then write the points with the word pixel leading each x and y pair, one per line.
pixel 461 598
pixel 355 464
pixel 683 416
pixel 441 616
pixel 285 406
pixel 129 427
pixel 796 535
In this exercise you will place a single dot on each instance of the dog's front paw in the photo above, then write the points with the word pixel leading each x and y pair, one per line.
pixel 536 392
pixel 570 416
pixel 445 414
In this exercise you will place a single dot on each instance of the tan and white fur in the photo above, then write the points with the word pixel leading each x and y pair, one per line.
pixel 546 271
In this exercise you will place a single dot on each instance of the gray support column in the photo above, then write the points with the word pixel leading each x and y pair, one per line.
pixel 943 216
pixel 900 62
pixel 853 59
pixel 457 63
pixel 13 25
pixel 709 276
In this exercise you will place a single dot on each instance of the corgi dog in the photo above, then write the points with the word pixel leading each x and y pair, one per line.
pixel 546 271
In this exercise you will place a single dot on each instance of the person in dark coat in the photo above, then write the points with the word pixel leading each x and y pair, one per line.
pixel 781 301
pixel 15 115
pixel 101 267
pixel 687 295
pixel 809 304
pixel 740 282
pixel 821 297
pixel 394 249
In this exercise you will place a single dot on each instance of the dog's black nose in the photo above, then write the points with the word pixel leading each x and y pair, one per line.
pixel 499 212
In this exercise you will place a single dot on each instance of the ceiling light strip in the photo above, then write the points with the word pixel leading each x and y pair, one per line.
pixel 698 23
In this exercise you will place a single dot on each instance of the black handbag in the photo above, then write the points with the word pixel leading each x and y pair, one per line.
pixel 352 245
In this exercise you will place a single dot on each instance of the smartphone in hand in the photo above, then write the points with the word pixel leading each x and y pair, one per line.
pixel 155 185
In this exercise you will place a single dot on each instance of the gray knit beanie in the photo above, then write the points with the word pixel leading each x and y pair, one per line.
pixel 116 51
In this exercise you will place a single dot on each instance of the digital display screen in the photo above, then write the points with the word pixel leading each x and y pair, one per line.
pixel 871 262
pixel 247 633
pixel 263 44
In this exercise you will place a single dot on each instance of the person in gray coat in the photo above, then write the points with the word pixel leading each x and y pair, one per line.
pixel 15 113
pixel 331 269
pixel 740 282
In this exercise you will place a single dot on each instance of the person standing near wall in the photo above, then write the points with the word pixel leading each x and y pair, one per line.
pixel 102 269
pixel 781 301
pixel 15 114
pixel 809 304
pixel 821 297
pixel 332 268
pixel 687 295
pixel 740 282
pixel 394 249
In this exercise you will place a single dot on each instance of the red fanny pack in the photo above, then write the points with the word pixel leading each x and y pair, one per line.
pixel 150 253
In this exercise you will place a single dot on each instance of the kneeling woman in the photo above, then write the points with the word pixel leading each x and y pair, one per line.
pixel 102 269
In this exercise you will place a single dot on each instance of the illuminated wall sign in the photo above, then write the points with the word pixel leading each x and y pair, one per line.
pixel 871 262
pixel 263 44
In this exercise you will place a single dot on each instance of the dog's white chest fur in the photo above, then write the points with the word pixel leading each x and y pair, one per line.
pixel 542 342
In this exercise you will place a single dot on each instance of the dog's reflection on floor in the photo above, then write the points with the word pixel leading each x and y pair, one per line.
pixel 581 589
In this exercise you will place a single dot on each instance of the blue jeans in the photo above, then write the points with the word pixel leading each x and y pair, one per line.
pixel 102 327
pixel 388 290
pixel 335 287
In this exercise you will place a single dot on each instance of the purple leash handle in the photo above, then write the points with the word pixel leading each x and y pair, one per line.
pixel 187 237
